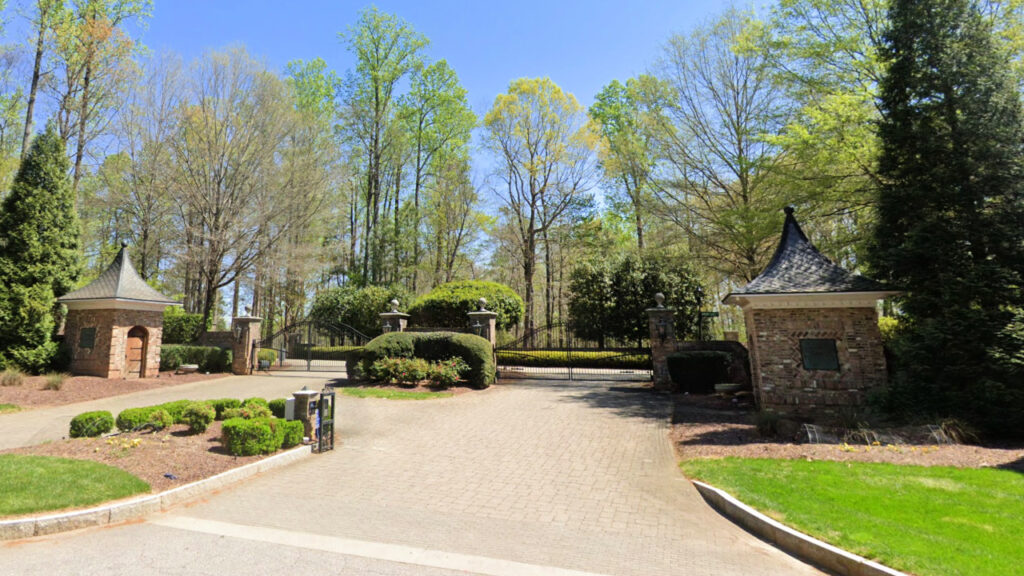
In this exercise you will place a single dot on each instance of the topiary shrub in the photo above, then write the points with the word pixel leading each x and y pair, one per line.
pixel 175 409
pixel 698 371
pixel 475 351
pixel 447 305
pixel 359 308
pixel 354 363
pixel 91 424
pixel 242 437
pixel 180 327
pixel 222 404
pixel 294 432
pixel 277 407
pixel 131 418
pixel 160 419
pixel 256 400
pixel 198 416
pixel 208 358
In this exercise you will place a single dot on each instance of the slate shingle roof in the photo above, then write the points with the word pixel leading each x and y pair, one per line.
pixel 798 268
pixel 118 282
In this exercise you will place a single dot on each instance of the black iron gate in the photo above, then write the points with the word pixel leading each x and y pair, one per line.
pixel 308 346
pixel 555 352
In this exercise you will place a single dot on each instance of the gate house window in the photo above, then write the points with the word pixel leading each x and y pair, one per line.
pixel 819 354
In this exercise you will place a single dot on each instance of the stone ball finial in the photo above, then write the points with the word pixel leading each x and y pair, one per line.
pixel 394 305
pixel 789 210
pixel 124 243
pixel 483 303
pixel 660 299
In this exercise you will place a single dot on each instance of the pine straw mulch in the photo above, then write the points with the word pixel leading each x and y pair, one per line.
pixel 715 427
pixel 151 456
pixel 32 394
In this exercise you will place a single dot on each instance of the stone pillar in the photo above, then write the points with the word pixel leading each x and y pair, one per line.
pixel 394 321
pixel 245 331
pixel 663 341
pixel 484 323
pixel 302 399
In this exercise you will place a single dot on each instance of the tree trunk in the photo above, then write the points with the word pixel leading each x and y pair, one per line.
pixel 34 86
pixel 83 116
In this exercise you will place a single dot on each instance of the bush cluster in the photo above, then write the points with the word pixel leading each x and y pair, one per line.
pixel 277 407
pixel 267 354
pixel 405 371
pixel 160 419
pixel 697 371
pixel 222 404
pixel 131 418
pixel 91 424
pixel 447 305
pixel 475 351
pixel 577 359
pixel 208 358
pixel 180 327
pixel 198 416
pixel 249 437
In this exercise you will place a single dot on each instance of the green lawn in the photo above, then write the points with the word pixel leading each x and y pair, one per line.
pixel 9 408
pixel 924 520
pixel 393 394
pixel 42 483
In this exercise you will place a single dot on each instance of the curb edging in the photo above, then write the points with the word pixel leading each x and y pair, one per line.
pixel 796 543
pixel 143 505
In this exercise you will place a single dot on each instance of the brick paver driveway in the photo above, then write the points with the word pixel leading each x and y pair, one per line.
pixel 530 478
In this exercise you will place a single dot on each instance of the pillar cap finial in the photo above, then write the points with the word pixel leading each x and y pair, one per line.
pixel 659 298
pixel 394 304
pixel 483 303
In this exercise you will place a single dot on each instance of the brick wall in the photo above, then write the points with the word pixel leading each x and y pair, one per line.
pixel 107 356
pixel 782 383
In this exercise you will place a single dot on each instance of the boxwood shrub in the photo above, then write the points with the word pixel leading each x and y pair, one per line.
pixel 697 371
pixel 208 358
pixel 242 437
pixel 277 407
pixel 91 424
pixel 160 419
pixel 448 304
pixel 198 416
pixel 131 418
pixel 475 351
pixel 222 404
pixel 294 431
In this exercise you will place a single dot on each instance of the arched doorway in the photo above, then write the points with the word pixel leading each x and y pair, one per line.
pixel 135 352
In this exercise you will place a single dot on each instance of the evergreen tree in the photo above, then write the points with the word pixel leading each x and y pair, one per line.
pixel 950 227
pixel 39 257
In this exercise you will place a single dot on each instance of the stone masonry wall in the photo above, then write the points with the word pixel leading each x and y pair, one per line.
pixel 785 387
pixel 107 357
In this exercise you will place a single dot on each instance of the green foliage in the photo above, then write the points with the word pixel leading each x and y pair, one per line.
pixel 175 408
pixel 293 431
pixel 267 355
pixel 222 404
pixel 249 410
pixel 322 352
pixel 406 371
pixel 131 418
pixel 180 327
pixel 576 359
pixel 391 394
pixel 609 301
pixel 54 380
pixel 31 484
pixel 698 371
pixel 198 416
pixel 160 419
pixel 276 407
pixel 447 305
pixel 933 520
pixel 249 437
pixel 8 407
pixel 39 253
pixel 446 373
pixel 435 346
pixel 255 400
pixel 12 377
pixel 91 424
pixel 952 152
pixel 209 358
pixel 359 308
pixel 888 326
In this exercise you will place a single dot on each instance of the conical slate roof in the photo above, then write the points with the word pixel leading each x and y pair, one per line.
pixel 798 268
pixel 118 282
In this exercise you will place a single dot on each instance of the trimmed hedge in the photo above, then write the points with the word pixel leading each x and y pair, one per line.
pixel 209 358
pixel 180 327
pixel 277 407
pixel 131 418
pixel 698 371
pixel 294 432
pixel 267 354
pixel 198 416
pixel 91 424
pixel 475 351
pixel 160 419
pixel 222 404
pixel 300 351
pixel 242 437
pixel 448 304
pixel 586 359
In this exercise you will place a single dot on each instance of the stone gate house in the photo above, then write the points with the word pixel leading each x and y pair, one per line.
pixel 115 323
pixel 812 330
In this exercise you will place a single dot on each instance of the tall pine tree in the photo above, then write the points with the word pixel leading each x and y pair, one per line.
pixel 39 253
pixel 950 227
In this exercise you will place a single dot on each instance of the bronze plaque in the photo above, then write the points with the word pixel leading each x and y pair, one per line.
pixel 87 337
pixel 819 354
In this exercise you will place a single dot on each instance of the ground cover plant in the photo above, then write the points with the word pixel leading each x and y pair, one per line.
pixel 9 408
pixel 390 394
pixel 36 483
pixel 924 520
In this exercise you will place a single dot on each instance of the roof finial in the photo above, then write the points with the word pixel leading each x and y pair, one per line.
pixel 789 210
pixel 124 243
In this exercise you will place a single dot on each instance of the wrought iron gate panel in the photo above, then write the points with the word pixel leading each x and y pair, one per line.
pixel 556 352
pixel 308 346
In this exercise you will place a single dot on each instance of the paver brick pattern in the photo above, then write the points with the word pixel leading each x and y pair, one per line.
pixel 573 475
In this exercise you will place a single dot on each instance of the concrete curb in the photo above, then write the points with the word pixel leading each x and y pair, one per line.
pixel 796 543
pixel 141 506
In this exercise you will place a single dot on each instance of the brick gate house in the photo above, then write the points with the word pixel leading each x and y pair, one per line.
pixel 812 331
pixel 114 325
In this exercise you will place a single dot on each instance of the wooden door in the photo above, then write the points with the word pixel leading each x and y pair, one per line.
pixel 135 353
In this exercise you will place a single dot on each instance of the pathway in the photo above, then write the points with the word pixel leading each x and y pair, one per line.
pixel 532 478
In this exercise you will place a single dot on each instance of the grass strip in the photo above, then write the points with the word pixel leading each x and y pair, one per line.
pixel 922 520
pixel 393 394
pixel 9 408
pixel 43 483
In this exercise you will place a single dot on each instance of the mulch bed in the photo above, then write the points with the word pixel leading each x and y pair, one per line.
pixel 30 394
pixel 716 427
pixel 151 455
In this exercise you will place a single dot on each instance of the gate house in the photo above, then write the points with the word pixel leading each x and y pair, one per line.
pixel 115 324
pixel 812 330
